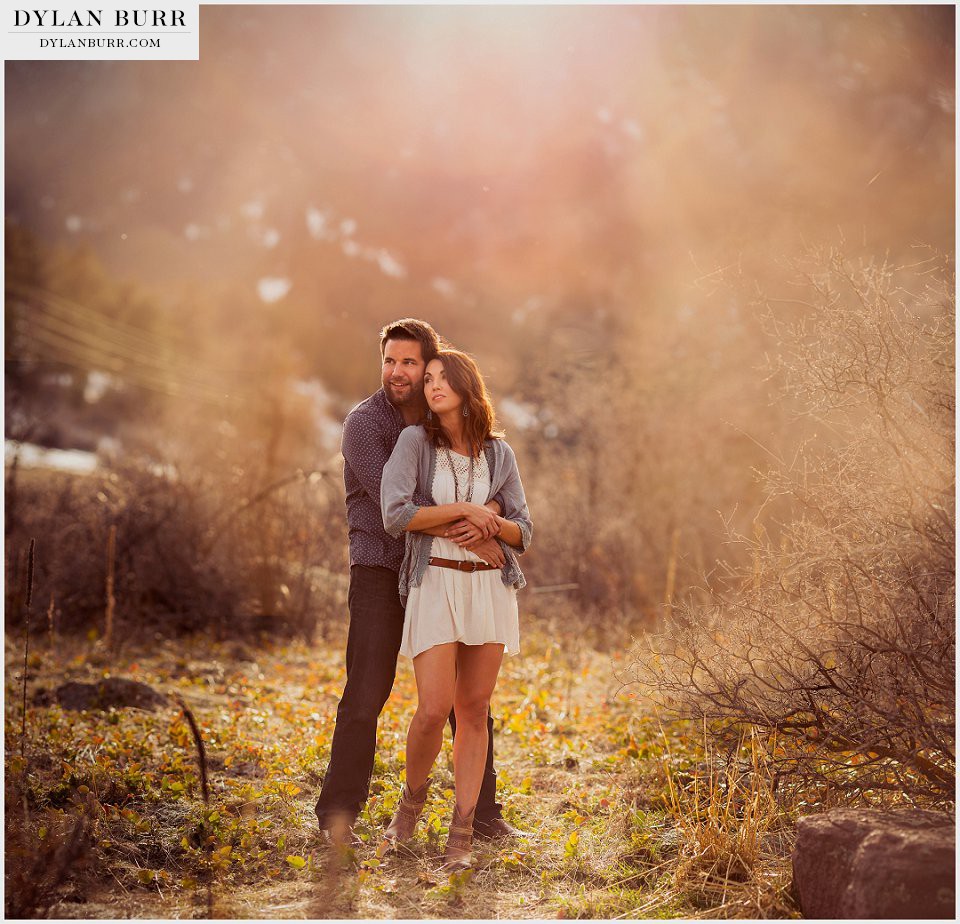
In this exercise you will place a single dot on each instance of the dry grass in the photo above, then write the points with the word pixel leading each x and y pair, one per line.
pixel 733 834
pixel 617 811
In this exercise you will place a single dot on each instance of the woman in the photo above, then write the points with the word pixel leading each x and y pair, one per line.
pixel 461 613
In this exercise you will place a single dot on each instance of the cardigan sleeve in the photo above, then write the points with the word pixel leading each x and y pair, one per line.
pixel 399 482
pixel 514 500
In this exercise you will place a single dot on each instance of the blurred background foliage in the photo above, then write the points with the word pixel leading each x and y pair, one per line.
pixel 593 201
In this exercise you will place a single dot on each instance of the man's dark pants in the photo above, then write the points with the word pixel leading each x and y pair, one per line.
pixel 373 645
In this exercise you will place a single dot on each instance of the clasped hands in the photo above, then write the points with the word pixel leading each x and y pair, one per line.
pixel 475 531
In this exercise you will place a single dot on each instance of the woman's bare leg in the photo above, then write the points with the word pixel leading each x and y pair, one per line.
pixel 477 669
pixel 436 673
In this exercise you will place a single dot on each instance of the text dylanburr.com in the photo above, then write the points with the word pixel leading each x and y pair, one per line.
pixel 110 32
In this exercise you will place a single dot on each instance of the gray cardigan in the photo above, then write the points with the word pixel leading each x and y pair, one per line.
pixel 411 468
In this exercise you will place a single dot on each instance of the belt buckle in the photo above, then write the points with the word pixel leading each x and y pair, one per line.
pixel 473 566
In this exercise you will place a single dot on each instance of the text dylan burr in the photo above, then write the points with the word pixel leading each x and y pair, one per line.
pixel 91 19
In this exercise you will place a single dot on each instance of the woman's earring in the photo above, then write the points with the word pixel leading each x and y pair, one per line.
pixel 466 411
pixel 429 414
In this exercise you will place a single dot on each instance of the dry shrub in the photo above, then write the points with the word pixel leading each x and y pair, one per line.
pixel 39 864
pixel 194 550
pixel 841 635
pixel 637 443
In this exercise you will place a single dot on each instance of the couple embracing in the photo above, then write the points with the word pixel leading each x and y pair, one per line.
pixel 436 515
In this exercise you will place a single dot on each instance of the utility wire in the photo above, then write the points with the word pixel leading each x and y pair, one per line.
pixel 116 356
pixel 55 345
pixel 62 327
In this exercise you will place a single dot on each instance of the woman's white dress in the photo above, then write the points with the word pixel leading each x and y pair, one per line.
pixel 457 606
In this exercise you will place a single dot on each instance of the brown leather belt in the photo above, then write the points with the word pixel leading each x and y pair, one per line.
pixel 468 566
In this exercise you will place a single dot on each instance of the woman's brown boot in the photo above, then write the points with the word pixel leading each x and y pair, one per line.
pixel 405 817
pixel 457 855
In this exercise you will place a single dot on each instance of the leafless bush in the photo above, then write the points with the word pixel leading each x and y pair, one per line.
pixel 37 868
pixel 639 441
pixel 840 636
pixel 192 551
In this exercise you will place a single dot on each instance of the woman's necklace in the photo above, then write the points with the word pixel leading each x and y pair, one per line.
pixel 456 483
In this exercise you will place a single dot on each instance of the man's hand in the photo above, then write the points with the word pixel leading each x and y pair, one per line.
pixel 489 550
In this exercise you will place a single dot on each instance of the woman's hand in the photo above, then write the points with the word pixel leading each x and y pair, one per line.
pixel 463 532
pixel 482 518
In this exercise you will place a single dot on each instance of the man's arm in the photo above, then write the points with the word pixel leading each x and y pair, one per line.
pixel 487 549
pixel 365 450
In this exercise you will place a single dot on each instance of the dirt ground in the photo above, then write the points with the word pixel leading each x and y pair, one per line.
pixel 581 772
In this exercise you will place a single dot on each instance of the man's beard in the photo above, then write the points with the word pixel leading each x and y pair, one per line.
pixel 411 395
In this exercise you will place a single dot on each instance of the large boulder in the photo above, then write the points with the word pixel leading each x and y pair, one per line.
pixel 868 863
pixel 116 692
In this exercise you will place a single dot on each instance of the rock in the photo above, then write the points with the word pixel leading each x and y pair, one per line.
pixel 42 697
pixel 114 692
pixel 870 863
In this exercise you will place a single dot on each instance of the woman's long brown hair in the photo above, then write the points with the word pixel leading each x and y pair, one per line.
pixel 480 424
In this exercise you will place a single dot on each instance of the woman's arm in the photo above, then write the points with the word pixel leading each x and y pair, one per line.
pixel 510 533
pixel 458 527
pixel 428 517
pixel 397 487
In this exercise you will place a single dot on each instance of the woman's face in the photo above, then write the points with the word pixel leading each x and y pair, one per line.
pixel 440 395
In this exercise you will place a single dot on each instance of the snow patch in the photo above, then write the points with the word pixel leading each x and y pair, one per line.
pixel 273 288
pixel 520 414
pixel 97 385
pixel 317 224
pixel 390 265
pixel 253 209
pixel 446 287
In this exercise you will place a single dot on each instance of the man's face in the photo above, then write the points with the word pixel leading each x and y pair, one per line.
pixel 402 373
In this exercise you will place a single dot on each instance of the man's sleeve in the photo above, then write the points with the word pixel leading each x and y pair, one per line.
pixel 365 450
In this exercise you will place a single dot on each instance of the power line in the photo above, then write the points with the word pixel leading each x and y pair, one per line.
pixel 110 352
pixel 64 327
pixel 58 345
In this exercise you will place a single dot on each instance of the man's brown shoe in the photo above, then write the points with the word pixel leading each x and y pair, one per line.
pixel 495 829
pixel 340 833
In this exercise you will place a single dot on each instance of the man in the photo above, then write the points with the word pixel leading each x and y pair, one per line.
pixel 376 613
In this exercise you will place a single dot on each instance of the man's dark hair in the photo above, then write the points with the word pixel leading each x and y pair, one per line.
pixel 412 329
